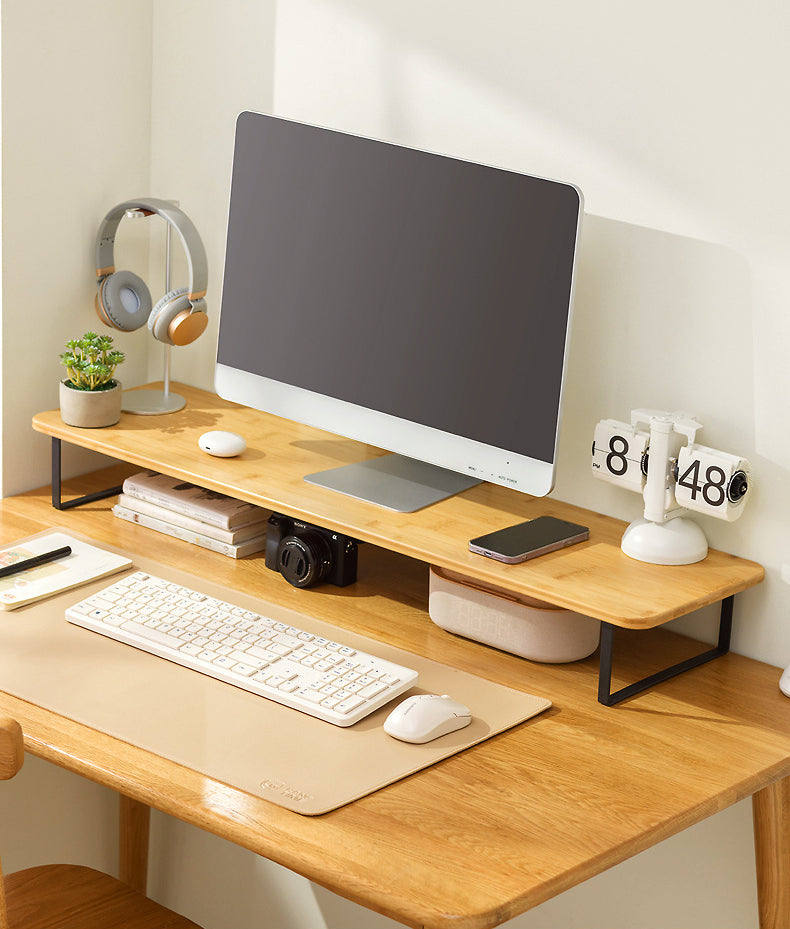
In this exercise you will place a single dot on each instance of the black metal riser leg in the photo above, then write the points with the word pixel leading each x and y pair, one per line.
pixel 605 695
pixel 57 500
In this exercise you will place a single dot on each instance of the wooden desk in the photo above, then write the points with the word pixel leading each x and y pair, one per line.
pixel 533 811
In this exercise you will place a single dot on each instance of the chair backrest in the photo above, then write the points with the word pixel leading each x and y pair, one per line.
pixel 71 895
pixel 12 756
pixel 12 748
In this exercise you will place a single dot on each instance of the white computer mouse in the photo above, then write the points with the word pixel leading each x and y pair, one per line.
pixel 425 717
pixel 784 682
pixel 222 444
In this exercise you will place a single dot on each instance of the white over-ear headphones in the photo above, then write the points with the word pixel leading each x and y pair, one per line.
pixel 124 302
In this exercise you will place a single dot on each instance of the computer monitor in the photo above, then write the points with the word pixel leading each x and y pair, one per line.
pixel 412 301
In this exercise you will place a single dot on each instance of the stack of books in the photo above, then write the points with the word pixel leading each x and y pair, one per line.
pixel 193 514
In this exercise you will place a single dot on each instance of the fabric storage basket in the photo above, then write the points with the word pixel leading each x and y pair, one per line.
pixel 513 622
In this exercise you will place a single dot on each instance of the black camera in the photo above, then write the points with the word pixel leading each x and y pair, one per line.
pixel 307 555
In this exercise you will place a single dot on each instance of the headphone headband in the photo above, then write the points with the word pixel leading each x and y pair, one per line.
pixel 193 246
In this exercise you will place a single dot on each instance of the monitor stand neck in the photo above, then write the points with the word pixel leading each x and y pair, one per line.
pixel 394 481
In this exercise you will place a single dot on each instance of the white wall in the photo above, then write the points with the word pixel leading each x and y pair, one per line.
pixel 670 122
pixel 210 61
pixel 76 88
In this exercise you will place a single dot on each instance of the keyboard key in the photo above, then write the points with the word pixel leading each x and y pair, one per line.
pixel 208 656
pixel 190 649
pixel 349 704
pixel 310 696
pixel 243 656
pixel 153 635
pixel 261 654
pixel 280 649
pixel 372 690
pixel 244 669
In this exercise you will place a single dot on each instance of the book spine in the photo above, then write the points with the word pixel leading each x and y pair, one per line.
pixel 177 505
pixel 176 518
pixel 185 535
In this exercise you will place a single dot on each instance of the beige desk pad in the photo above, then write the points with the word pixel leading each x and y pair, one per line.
pixel 268 750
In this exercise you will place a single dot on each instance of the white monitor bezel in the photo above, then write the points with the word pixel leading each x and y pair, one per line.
pixel 403 437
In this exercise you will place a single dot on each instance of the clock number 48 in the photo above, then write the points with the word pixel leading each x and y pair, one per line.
pixel 713 489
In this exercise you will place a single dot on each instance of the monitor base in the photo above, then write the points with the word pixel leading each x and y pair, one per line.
pixel 394 482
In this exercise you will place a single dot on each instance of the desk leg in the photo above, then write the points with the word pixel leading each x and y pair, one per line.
pixel 771 813
pixel 133 842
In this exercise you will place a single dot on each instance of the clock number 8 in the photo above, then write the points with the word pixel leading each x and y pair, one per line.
pixel 618 455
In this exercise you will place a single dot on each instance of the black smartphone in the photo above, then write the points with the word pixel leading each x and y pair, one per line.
pixel 528 540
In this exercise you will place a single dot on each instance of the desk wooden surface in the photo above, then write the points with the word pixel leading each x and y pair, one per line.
pixel 594 578
pixel 489 833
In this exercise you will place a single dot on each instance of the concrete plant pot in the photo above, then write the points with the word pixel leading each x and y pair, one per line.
pixel 90 409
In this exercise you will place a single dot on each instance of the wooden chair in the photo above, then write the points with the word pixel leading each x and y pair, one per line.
pixel 70 896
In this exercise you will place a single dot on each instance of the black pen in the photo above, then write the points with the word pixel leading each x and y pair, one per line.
pixel 35 561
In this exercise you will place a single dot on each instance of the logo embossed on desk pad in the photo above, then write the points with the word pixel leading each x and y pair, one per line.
pixel 292 793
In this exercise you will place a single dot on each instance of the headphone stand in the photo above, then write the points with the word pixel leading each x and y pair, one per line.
pixel 153 402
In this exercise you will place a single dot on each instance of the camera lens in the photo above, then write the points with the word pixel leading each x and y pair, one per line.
pixel 738 486
pixel 304 559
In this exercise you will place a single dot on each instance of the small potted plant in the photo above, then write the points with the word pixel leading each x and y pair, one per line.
pixel 90 396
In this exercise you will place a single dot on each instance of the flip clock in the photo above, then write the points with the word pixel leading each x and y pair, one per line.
pixel 657 455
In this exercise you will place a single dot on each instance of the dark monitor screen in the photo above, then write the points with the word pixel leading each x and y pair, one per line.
pixel 431 290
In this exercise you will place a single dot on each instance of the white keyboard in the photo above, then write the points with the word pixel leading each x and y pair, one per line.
pixel 327 679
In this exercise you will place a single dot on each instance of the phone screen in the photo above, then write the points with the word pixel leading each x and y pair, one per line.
pixel 529 539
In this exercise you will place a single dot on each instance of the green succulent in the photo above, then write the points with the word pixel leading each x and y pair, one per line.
pixel 91 362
